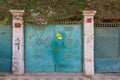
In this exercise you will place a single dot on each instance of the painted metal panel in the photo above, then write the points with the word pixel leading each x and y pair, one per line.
pixel 5 48
pixel 107 49
pixel 107 65
pixel 69 48
pixel 39 49
pixel 53 48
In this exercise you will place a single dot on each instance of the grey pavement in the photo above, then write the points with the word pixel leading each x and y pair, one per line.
pixel 58 76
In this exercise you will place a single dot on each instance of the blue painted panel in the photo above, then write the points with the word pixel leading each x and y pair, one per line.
pixel 106 42
pixel 107 49
pixel 5 48
pixel 39 49
pixel 53 48
pixel 68 55
pixel 107 65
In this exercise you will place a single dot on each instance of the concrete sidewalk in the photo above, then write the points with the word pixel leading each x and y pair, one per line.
pixel 115 76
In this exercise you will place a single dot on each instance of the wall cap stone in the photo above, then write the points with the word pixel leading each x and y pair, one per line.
pixel 89 12
pixel 17 12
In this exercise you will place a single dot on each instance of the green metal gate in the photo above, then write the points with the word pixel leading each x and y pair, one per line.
pixel 53 48
pixel 5 48
pixel 107 48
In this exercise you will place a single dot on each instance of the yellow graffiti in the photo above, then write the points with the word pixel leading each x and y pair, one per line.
pixel 58 35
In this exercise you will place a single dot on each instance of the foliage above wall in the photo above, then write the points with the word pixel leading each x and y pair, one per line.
pixel 44 10
pixel 48 11
pixel 107 10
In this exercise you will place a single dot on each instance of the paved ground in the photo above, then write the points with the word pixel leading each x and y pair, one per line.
pixel 115 76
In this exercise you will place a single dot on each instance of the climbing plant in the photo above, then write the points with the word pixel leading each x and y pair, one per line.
pixel 48 11
pixel 37 11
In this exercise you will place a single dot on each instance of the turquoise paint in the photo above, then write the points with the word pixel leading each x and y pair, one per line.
pixel 107 49
pixel 5 48
pixel 107 65
pixel 69 49
pixel 45 52
pixel 39 49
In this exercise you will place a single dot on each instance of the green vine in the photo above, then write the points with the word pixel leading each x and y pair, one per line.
pixel 37 11
pixel 50 11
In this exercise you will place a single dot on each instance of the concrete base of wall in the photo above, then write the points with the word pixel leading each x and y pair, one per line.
pixel 38 76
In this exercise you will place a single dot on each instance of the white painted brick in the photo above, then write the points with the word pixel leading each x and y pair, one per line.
pixel 88 42
pixel 18 40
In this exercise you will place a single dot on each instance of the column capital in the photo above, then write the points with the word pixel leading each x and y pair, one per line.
pixel 17 12
pixel 89 12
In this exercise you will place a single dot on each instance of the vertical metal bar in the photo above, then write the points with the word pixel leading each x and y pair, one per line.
pixel 119 40
pixel 118 25
pixel 55 48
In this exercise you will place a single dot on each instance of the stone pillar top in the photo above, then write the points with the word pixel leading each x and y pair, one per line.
pixel 17 12
pixel 89 12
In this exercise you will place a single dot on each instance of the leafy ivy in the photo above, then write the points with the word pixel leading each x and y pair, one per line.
pixel 43 11
pixel 46 10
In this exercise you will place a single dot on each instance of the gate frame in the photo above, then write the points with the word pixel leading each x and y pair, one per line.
pixel 104 60
pixel 88 42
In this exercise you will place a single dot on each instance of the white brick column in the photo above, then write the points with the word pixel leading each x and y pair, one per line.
pixel 18 42
pixel 88 47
